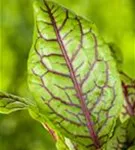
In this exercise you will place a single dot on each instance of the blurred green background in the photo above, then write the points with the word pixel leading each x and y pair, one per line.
pixel 115 21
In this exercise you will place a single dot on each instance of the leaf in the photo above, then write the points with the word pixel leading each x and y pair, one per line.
pixel 10 103
pixel 73 76
pixel 124 136
pixel 128 85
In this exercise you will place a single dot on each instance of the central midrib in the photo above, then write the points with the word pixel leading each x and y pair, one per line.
pixel 75 82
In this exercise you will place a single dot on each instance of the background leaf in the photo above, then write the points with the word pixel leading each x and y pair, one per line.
pixel 10 103
pixel 124 136
pixel 128 85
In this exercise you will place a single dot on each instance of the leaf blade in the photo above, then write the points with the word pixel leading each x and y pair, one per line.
pixel 73 71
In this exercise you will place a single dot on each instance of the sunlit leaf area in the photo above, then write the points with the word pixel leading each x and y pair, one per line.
pixel 115 21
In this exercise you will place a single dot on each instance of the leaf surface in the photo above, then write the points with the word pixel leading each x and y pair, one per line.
pixel 73 76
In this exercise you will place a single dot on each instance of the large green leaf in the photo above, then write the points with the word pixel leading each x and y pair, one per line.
pixel 73 76
pixel 124 136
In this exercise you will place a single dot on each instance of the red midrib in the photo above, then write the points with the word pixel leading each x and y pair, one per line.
pixel 75 82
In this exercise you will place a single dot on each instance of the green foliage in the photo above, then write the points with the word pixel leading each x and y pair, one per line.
pixel 10 103
pixel 74 78
pixel 123 136
pixel 128 85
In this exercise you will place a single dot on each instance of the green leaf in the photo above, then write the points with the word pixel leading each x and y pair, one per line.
pixel 10 103
pixel 124 136
pixel 73 76
pixel 128 85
